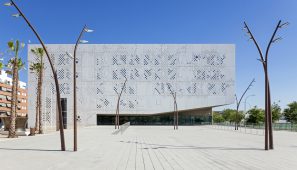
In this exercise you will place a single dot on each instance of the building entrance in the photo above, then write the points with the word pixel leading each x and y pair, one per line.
pixel 164 119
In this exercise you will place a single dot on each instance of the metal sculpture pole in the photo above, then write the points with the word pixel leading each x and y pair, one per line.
pixel 117 115
pixel 61 126
pixel 264 60
pixel 239 101
pixel 175 110
pixel 78 41
pixel 75 117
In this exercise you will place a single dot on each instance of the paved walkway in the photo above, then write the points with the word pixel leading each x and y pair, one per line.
pixel 151 147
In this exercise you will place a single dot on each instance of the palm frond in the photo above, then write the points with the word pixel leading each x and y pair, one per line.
pixel 39 52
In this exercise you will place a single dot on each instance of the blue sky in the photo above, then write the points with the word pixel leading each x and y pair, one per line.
pixel 172 21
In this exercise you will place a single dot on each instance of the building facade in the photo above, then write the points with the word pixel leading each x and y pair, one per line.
pixel 5 96
pixel 202 76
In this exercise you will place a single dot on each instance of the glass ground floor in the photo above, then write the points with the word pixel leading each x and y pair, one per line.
pixel 162 119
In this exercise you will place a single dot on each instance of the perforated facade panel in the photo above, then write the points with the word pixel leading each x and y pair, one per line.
pixel 201 75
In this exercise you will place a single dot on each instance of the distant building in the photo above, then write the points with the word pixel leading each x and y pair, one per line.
pixel 202 75
pixel 5 96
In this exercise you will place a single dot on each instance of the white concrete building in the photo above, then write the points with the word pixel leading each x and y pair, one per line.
pixel 5 79
pixel 202 75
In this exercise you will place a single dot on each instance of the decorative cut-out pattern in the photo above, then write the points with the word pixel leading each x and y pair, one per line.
pixel 199 74
pixel 64 88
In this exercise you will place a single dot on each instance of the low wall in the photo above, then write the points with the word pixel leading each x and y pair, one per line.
pixel 20 123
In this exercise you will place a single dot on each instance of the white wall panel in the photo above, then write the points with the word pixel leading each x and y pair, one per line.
pixel 202 75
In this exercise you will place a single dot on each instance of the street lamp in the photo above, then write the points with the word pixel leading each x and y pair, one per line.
pixel 61 126
pixel 79 41
pixel 239 101
pixel 16 15
pixel 83 41
pixel 8 4
pixel 246 100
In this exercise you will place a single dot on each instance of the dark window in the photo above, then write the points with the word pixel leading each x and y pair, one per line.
pixel 64 111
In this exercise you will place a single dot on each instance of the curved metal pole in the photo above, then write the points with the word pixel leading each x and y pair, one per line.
pixel 238 103
pixel 116 115
pixel 118 105
pixel 176 110
pixel 268 114
pixel 254 40
pixel 74 91
pixel 246 100
pixel 61 126
pixel 117 111
pixel 264 66
pixel 271 39
pixel 251 83
pixel 174 113
pixel 236 112
pixel 268 88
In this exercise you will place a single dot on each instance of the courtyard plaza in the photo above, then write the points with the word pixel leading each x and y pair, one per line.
pixel 150 147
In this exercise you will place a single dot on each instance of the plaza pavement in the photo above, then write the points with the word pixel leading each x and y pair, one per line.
pixel 150 147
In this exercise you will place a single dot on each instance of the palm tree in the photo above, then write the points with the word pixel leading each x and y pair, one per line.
pixel 14 65
pixel 35 67
pixel 38 69
pixel 20 65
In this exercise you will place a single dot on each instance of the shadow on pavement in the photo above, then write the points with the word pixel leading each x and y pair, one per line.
pixel 160 146
pixel 14 149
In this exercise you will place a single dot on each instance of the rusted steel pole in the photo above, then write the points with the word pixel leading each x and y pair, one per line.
pixel 264 61
pixel 74 91
pixel 61 126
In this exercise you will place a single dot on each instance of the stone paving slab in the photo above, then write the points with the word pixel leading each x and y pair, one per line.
pixel 150 147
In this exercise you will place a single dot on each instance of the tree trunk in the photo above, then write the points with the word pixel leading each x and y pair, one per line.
pixel 17 92
pixel 37 107
pixel 12 130
pixel 40 97
pixel 270 125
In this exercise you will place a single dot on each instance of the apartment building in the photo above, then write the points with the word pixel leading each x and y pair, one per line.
pixel 5 96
